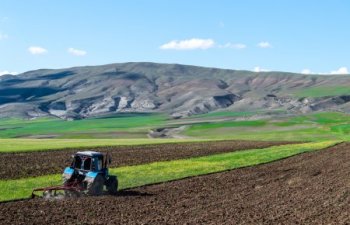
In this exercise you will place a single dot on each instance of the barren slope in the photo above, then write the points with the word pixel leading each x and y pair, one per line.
pixel 179 90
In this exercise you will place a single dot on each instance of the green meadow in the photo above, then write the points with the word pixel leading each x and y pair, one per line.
pixel 310 127
pixel 322 91
pixel 116 126
pixel 133 129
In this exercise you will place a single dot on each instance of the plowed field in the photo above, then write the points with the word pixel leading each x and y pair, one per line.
pixel 310 188
pixel 18 165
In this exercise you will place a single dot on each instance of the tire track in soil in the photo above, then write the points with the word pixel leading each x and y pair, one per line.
pixel 31 164
pixel 310 188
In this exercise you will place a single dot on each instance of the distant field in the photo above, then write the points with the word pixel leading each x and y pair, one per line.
pixel 132 176
pixel 224 114
pixel 323 91
pixel 135 128
pixel 118 126
pixel 311 127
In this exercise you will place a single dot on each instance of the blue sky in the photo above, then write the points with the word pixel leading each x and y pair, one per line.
pixel 296 35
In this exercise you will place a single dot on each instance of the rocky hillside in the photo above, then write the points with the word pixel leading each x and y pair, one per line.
pixel 179 90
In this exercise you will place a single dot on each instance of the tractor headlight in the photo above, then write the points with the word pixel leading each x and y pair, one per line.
pixel 66 176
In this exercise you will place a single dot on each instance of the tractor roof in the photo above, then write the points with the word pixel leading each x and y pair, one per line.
pixel 89 153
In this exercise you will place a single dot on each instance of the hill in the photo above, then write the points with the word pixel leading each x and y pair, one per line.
pixel 178 90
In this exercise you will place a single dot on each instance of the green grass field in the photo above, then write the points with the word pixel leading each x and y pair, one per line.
pixel 132 129
pixel 133 176
pixel 323 91
pixel 117 126
pixel 224 114
pixel 310 127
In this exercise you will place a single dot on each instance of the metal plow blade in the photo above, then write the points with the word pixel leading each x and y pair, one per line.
pixel 70 190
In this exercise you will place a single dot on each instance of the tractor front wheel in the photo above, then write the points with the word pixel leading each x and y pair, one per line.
pixel 112 185
pixel 96 187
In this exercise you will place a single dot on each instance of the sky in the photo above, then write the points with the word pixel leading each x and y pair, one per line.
pixel 259 35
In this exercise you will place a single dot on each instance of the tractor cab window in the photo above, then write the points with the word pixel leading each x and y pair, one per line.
pixel 97 163
pixel 82 162
pixel 87 163
pixel 77 162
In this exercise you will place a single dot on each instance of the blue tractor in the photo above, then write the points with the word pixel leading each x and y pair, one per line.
pixel 88 174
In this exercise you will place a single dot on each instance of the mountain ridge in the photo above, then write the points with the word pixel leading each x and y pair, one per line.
pixel 176 89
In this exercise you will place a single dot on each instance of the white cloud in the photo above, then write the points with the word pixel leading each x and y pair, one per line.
pixel 76 52
pixel 189 44
pixel 258 69
pixel 264 44
pixel 306 71
pixel 235 46
pixel 36 50
pixel 7 72
pixel 341 70
pixel 3 36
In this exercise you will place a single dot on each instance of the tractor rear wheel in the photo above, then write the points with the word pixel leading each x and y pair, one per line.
pixel 96 187
pixel 112 185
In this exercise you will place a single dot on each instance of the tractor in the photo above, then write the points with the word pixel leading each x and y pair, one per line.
pixel 87 175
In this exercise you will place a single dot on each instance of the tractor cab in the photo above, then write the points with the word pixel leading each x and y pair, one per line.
pixel 87 165
pixel 88 161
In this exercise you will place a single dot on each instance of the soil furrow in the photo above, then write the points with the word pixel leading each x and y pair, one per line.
pixel 30 164
pixel 310 188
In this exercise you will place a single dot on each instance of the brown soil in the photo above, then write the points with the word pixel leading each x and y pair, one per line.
pixel 17 165
pixel 311 188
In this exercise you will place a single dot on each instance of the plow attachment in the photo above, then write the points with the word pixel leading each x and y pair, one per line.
pixel 73 189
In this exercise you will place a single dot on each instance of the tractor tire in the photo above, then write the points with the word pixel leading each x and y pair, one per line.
pixel 96 187
pixel 112 185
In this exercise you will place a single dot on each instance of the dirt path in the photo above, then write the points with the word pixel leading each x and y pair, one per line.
pixel 311 188
pixel 18 165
